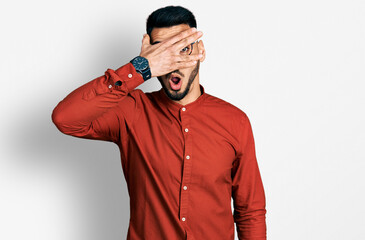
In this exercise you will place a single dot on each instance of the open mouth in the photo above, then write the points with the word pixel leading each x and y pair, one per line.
pixel 175 82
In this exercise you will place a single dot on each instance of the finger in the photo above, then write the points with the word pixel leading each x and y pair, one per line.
pixel 178 37
pixel 188 64
pixel 188 58
pixel 186 41
pixel 146 40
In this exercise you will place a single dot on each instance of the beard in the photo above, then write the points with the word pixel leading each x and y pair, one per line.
pixel 176 95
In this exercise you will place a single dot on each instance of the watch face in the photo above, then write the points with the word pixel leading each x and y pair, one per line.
pixel 140 63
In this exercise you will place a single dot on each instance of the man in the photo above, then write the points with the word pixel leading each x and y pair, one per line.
pixel 184 152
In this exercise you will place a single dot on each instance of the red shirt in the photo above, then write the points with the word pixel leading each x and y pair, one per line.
pixel 182 164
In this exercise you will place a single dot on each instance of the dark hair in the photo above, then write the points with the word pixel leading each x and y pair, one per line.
pixel 170 16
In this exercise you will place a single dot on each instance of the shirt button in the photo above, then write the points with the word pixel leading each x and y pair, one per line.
pixel 130 75
pixel 183 219
pixel 186 130
pixel 185 187
pixel 183 109
pixel 110 86
pixel 187 157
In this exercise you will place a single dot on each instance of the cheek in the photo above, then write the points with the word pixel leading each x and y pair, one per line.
pixel 187 72
pixel 162 78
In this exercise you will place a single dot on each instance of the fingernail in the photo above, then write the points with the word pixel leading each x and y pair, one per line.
pixel 194 29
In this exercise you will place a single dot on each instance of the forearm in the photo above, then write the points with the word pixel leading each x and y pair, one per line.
pixel 251 219
pixel 247 189
pixel 74 114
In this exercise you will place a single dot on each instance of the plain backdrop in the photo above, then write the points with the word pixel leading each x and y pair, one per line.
pixel 296 68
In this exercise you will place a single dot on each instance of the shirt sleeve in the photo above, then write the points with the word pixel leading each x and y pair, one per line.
pixel 102 108
pixel 247 188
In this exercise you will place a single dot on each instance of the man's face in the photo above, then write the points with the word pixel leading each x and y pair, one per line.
pixel 187 75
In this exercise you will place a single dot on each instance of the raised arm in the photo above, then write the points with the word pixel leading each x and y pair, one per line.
pixel 103 108
pixel 79 113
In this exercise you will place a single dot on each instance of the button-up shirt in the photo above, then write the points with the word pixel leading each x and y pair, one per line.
pixel 183 164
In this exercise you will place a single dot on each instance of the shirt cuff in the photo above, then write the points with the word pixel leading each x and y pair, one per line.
pixel 125 78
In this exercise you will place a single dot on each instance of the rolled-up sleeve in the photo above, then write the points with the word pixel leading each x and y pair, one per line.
pixel 247 188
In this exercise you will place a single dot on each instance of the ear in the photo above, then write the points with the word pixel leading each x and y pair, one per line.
pixel 202 49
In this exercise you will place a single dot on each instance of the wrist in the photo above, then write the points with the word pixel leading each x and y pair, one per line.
pixel 142 67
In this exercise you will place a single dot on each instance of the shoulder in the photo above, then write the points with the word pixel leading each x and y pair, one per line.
pixel 144 99
pixel 138 95
pixel 143 95
pixel 226 108
pixel 136 92
pixel 233 118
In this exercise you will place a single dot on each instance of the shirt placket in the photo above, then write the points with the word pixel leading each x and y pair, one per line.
pixel 187 167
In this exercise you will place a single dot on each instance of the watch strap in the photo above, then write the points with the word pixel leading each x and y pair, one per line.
pixel 146 73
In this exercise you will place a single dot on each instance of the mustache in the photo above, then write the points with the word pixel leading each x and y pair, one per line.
pixel 176 71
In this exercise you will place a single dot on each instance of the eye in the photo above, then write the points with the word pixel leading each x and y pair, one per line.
pixel 185 49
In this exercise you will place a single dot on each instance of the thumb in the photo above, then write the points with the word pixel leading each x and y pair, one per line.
pixel 145 40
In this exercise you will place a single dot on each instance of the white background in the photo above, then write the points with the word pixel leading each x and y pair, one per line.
pixel 295 67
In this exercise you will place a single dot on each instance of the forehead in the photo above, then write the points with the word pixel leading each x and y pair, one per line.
pixel 160 34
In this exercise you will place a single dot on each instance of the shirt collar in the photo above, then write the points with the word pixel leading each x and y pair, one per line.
pixel 176 106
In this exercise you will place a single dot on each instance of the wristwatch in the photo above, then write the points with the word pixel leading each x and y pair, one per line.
pixel 141 65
